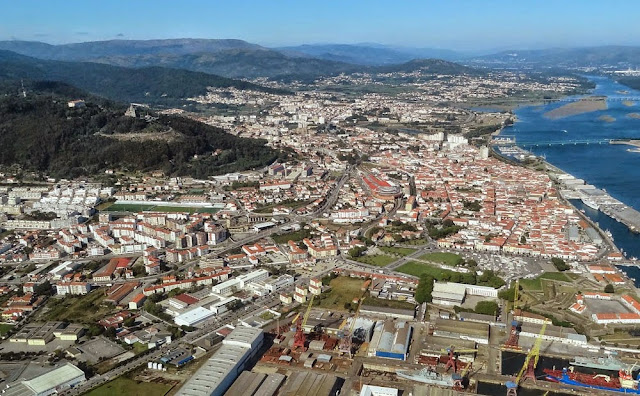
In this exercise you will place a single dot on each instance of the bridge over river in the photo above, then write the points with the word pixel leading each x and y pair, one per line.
pixel 502 141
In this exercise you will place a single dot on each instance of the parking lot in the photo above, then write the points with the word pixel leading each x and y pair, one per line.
pixel 602 306
pixel 98 348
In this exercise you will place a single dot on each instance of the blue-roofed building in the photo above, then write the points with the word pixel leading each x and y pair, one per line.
pixel 391 340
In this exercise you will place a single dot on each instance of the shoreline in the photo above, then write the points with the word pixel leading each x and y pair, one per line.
pixel 613 208
pixel 552 168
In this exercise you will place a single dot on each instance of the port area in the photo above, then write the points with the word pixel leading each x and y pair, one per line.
pixel 604 202
pixel 632 142
pixel 572 188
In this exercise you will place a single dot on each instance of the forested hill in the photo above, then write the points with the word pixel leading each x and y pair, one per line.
pixel 41 133
pixel 155 85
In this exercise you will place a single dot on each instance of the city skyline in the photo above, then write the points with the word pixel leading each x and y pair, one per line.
pixel 459 25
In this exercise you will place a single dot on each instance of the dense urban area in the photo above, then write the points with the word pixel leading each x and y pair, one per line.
pixel 359 233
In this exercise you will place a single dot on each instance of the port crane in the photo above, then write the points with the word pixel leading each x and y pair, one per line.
pixel 346 344
pixel 514 334
pixel 529 366
pixel 458 379
pixel 299 338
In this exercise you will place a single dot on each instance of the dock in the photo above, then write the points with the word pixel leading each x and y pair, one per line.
pixel 631 142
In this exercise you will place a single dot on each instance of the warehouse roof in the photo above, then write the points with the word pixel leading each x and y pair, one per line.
pixel 195 315
pixel 45 382
pixel 243 336
pixel 462 327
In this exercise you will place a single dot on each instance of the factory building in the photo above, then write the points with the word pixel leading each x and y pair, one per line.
pixel 55 381
pixel 222 369
pixel 193 317
pixel 253 384
pixel 311 384
pixel 478 332
pixel 385 312
pixel 233 285
pixel 449 293
pixel 390 340
pixel 564 335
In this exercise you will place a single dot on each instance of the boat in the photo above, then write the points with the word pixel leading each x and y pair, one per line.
pixel 427 376
pixel 609 234
pixel 604 363
pixel 590 203
pixel 624 383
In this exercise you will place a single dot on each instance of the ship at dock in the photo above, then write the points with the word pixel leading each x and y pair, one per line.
pixel 623 383
pixel 427 376
pixel 603 363
pixel 590 203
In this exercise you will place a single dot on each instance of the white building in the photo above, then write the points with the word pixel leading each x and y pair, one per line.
pixel 53 382
pixel 233 285
pixel 219 372
pixel 193 317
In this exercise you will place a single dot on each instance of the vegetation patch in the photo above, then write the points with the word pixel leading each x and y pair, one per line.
pixel 343 291
pixel 81 309
pixel 487 278
pixel 417 269
pixel 295 236
pixel 397 250
pixel 450 259
pixel 536 283
pixel 5 328
pixel 126 386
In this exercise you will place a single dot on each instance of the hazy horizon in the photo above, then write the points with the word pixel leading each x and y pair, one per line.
pixel 466 26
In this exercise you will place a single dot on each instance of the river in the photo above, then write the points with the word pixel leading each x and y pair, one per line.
pixel 610 167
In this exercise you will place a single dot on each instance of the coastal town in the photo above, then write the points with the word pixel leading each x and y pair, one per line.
pixel 396 249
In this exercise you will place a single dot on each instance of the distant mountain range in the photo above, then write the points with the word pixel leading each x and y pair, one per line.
pixel 620 56
pixel 230 58
pixel 99 49
pixel 368 54
pixel 155 85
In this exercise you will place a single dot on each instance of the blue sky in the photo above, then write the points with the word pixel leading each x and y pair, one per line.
pixel 453 24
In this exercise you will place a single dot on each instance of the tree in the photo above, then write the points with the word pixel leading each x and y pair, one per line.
pixel 129 322
pixel 95 330
pixel 523 240
pixel 487 308
pixel 110 332
pixel 508 294
pixel 43 289
pixel 559 264
pixel 609 288
pixel 357 251
pixel 424 289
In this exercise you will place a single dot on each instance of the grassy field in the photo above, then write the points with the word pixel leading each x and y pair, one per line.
pixel 86 309
pixel 536 283
pixel 449 259
pixel 380 302
pixel 397 250
pixel 379 260
pixel 138 348
pixel 417 269
pixel 126 386
pixel 4 328
pixel 343 290
pixel 123 207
